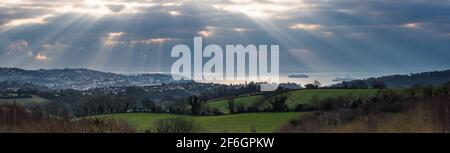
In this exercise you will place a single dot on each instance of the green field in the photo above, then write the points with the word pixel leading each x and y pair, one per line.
pixel 262 122
pixel 33 100
pixel 222 105
pixel 296 97
pixel 239 123
pixel 307 96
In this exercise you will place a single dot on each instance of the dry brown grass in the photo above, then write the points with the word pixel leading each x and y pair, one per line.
pixel 429 115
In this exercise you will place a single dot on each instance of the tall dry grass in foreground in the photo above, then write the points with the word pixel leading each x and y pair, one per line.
pixel 427 115
pixel 16 119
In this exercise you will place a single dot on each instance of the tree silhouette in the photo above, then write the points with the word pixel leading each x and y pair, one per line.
pixel 377 84
pixel 195 103
pixel 231 105
pixel 279 103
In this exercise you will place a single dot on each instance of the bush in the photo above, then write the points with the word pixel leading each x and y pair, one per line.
pixel 176 125
pixel 310 86
pixel 358 84
pixel 377 84
pixel 328 104
pixel 279 103
pixel 304 108
pixel 207 110
pixel 446 88
pixel 216 111
pixel 389 95
pixel 241 109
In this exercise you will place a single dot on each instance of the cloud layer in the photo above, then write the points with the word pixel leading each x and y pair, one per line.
pixel 314 35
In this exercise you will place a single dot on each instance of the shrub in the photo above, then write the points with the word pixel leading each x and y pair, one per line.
pixel 279 103
pixel 358 84
pixel 377 84
pixel 304 108
pixel 176 125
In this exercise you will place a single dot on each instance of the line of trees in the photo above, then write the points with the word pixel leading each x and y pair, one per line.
pixel 361 84
pixel 269 102
pixel 15 118
pixel 70 103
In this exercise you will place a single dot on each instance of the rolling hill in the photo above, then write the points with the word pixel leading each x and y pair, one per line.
pixel 408 80
pixel 80 79
pixel 306 96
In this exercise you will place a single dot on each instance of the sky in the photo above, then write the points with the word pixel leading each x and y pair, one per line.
pixel 314 35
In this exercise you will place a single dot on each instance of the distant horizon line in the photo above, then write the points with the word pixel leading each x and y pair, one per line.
pixel 286 73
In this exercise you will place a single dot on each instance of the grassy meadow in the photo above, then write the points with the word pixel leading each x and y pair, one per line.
pixel 236 123
pixel 307 96
pixel 33 100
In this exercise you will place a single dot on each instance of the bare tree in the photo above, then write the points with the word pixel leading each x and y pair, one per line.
pixel 231 105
